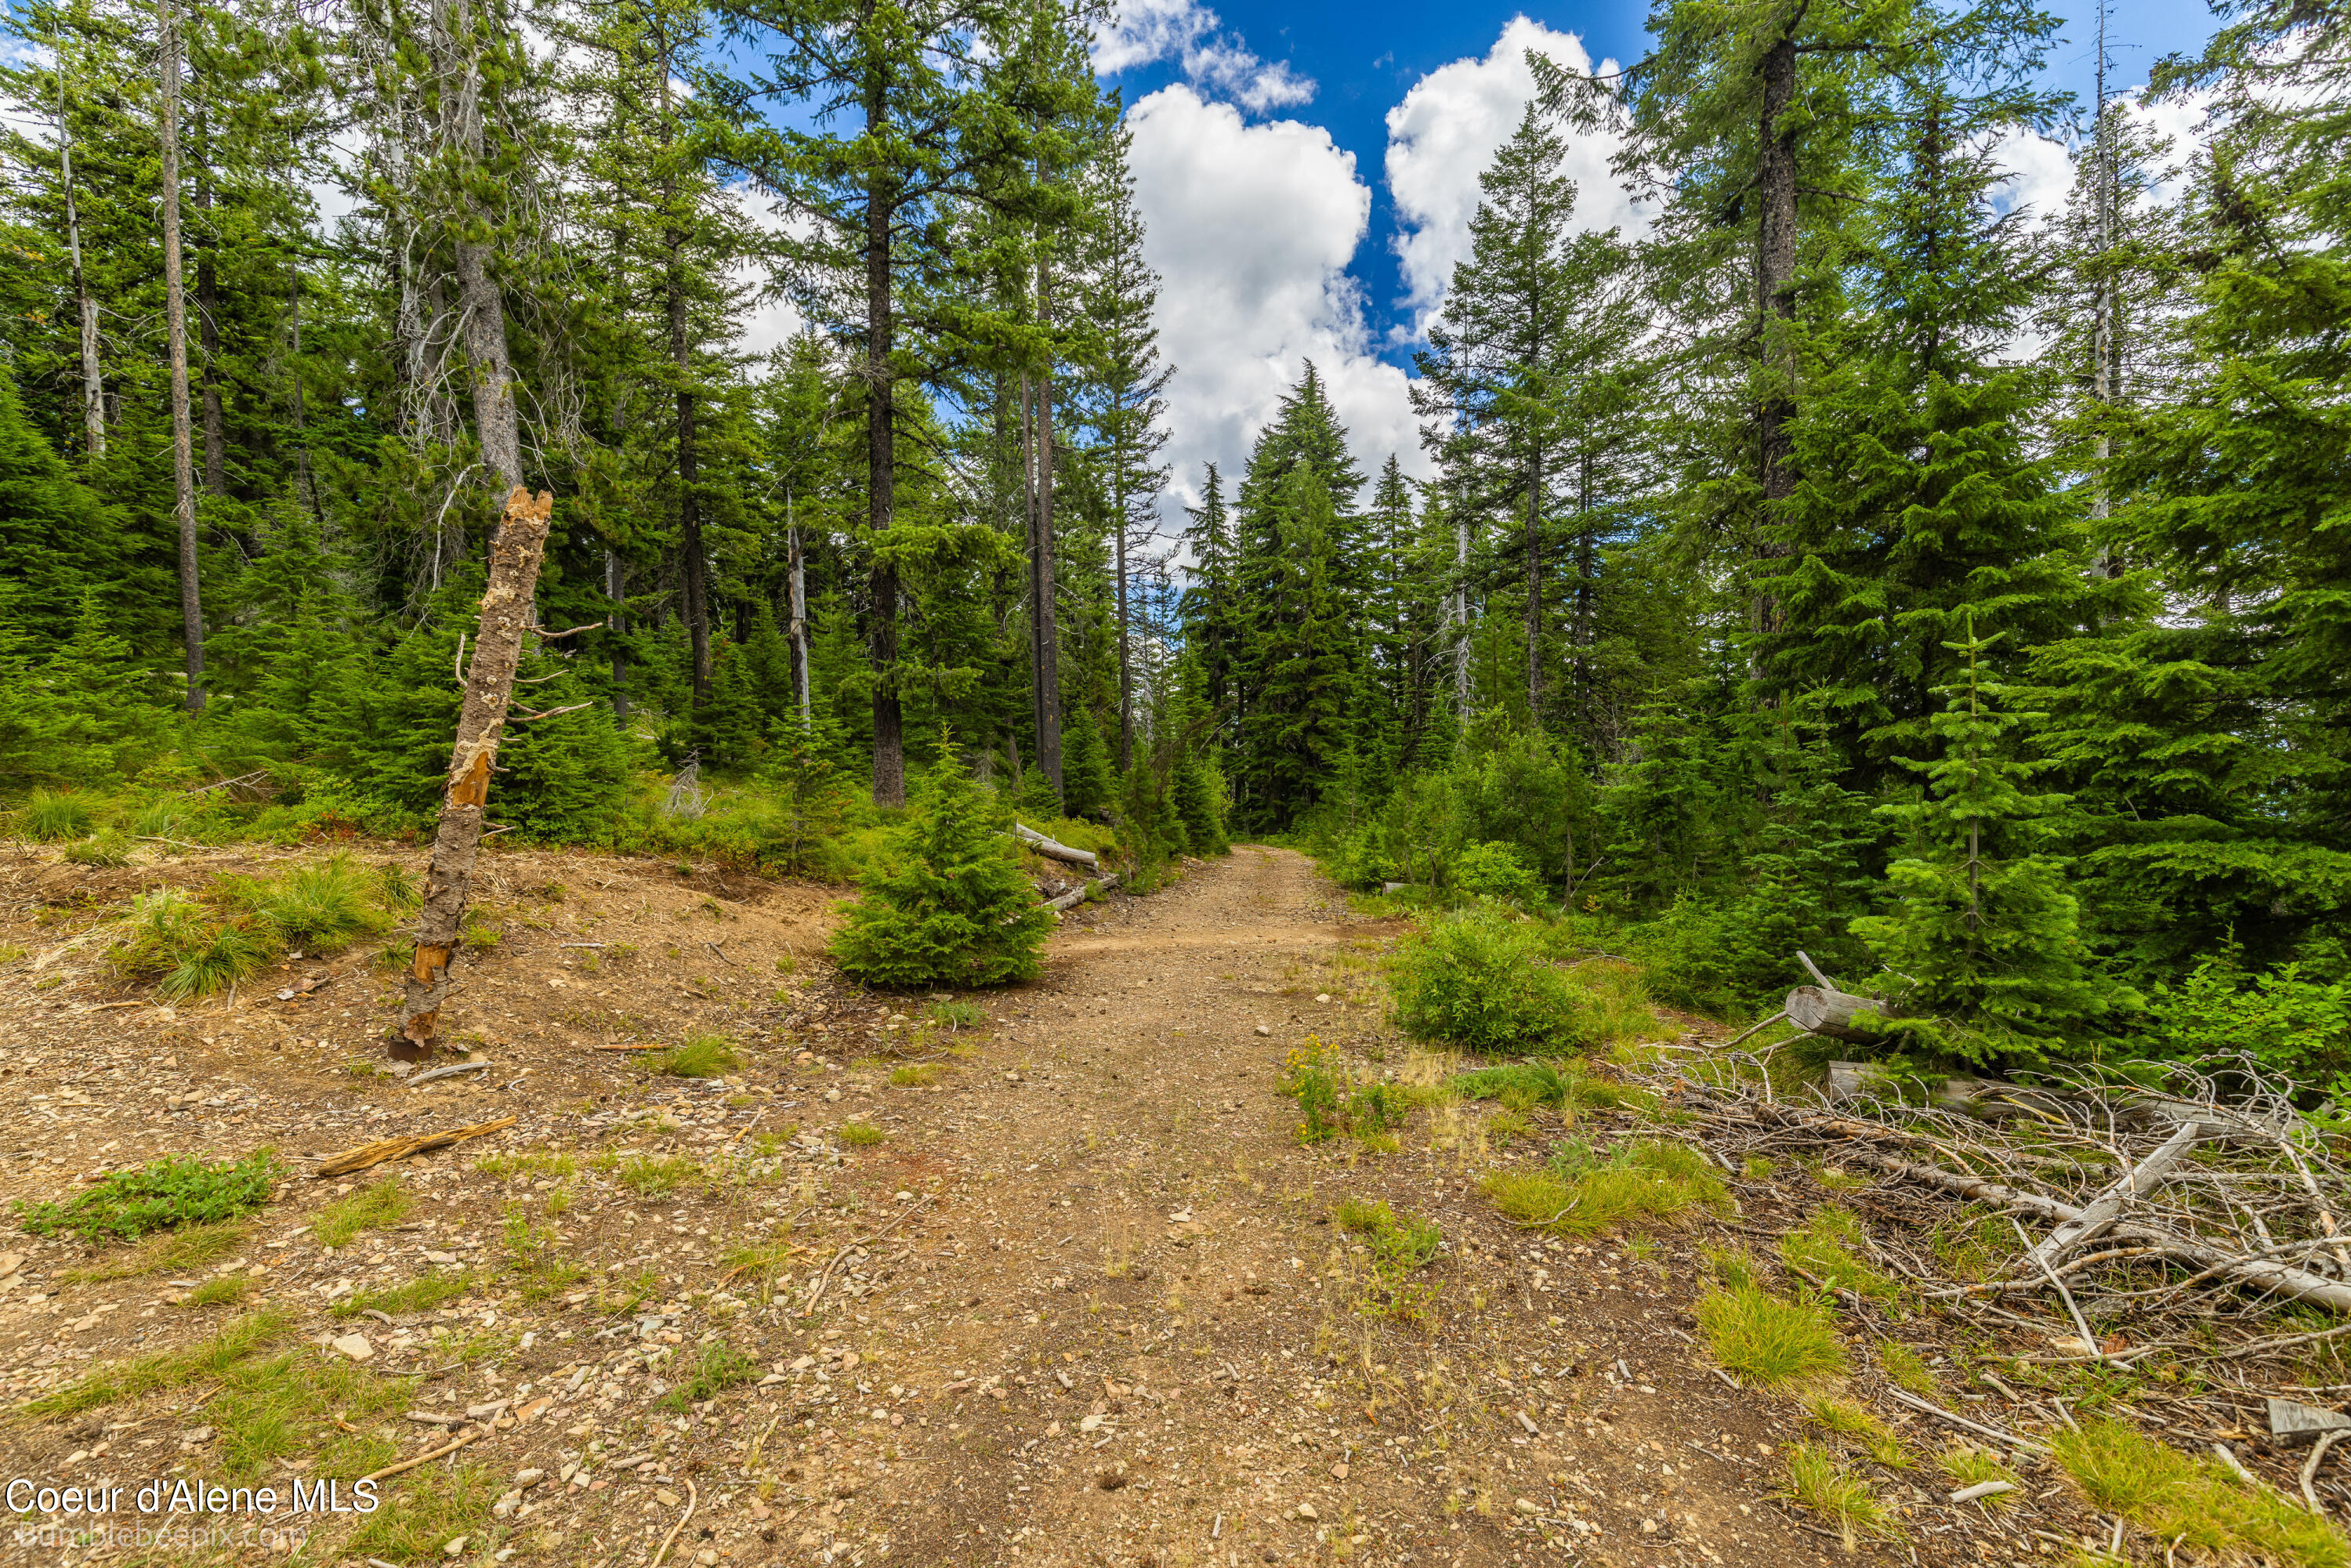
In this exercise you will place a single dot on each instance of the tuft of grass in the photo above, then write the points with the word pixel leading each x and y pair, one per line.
pixel 418 1295
pixel 957 1015
pixel 721 1367
pixel 1398 1244
pixel 1643 1181
pixel 161 1195
pixel 1968 1466
pixel 760 1259
pixel 422 1513
pixel 320 908
pixel 220 1291
pixel 117 1381
pixel 1817 1480
pixel 1823 1249
pixel 396 887
pixel 1523 1085
pixel 656 1177
pixel 915 1074
pixel 378 1208
pixel 540 1164
pixel 1768 1340
pixel 703 1056
pixel 2195 1503
pixel 1905 1370
pixel 1861 1426
pixel 101 850
pixel 178 1252
pixel 54 818
pixel 301 1402
pixel 860 1135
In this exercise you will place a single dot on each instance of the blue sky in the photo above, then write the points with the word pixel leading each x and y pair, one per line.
pixel 1307 174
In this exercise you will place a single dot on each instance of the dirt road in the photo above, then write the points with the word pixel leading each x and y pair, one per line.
pixel 1078 1296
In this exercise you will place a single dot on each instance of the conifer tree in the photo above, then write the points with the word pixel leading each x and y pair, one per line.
pixel 955 909
pixel 1982 932
pixel 1087 783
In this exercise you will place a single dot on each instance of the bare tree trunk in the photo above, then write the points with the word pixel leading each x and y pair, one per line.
pixel 208 330
pixel 1775 273
pixel 481 305
pixel 1461 616
pixel 303 477
pixel 1534 592
pixel 692 556
pixel 799 611
pixel 1049 636
pixel 882 470
pixel 507 617
pixel 1126 679
pixel 93 388
pixel 176 319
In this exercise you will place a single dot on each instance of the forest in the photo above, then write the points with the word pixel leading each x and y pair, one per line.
pixel 1854 563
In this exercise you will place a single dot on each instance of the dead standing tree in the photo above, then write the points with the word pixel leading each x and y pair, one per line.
pixel 506 619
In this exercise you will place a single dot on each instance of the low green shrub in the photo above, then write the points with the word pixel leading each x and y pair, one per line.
pixel 1480 981
pixel 1767 1339
pixel 53 818
pixel 1495 869
pixel 161 1195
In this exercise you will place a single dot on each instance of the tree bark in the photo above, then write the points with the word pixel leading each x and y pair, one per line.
pixel 881 467
pixel 616 590
pixel 1125 676
pixel 693 558
pixel 481 305
pixel 93 387
pixel 176 319
pixel 1048 629
pixel 1775 273
pixel 208 333
pixel 1534 591
pixel 799 613
pixel 506 618
pixel 1816 1009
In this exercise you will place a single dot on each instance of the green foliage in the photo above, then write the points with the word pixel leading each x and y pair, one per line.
pixel 1825 1247
pixel 2198 1503
pixel 1088 782
pixel 703 1056
pixel 319 908
pixel 2296 1026
pixel 162 1195
pixel 719 1368
pixel 1198 798
pixel 1567 1086
pixel 1643 1181
pixel 49 816
pixel 1493 870
pixel 1769 1339
pixel 1480 981
pixel 1331 1101
pixel 378 1208
pixel 956 910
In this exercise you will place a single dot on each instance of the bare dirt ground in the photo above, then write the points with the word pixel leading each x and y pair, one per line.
pixel 1077 1299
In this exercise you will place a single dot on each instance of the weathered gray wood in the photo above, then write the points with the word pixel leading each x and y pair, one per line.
pixel 1047 847
pixel 2103 1210
pixel 1818 1010
pixel 1072 900
pixel 2291 1421
pixel 1850 1080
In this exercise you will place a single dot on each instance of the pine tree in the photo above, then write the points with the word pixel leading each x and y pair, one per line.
pixel 1088 782
pixel 804 784
pixel 955 909
pixel 1982 932
pixel 1298 662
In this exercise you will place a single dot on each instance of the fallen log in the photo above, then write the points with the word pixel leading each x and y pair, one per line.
pixel 2101 1212
pixel 2262 1275
pixel 370 1154
pixel 1816 1009
pixel 1072 900
pixel 1047 847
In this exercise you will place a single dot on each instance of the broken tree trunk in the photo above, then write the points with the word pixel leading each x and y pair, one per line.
pixel 506 616
pixel 1045 846
pixel 1072 900
pixel 2101 1211
pixel 1816 1009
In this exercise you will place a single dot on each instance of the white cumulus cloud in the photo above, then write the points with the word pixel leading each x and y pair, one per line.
pixel 1445 134
pixel 1251 228
pixel 1214 61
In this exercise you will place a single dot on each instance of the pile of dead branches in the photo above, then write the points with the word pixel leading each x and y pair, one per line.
pixel 2196 1209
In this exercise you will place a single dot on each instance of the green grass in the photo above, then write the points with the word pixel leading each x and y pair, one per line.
pixel 656 1177
pixel 162 1195
pixel 1862 1427
pixel 860 1135
pixel 504 1168
pixel 53 818
pixel 1644 1181
pixel 1566 1086
pixel 178 1252
pixel 1905 1370
pixel 957 1015
pixel 720 1368
pixel 422 1511
pixel 2192 1502
pixel 378 1208
pixel 222 1291
pixel 1823 1249
pixel 101 850
pixel 290 1403
pixel 418 1295
pixel 703 1056
pixel 916 1074
pixel 319 909
pixel 1768 1340
pixel 1968 1465
pixel 1817 1480
pixel 1405 1241
pixel 164 1369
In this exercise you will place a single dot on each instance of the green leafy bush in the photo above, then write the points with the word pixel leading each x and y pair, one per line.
pixel 2288 1022
pixel 956 910
pixel 161 1195
pixel 1494 870
pixel 1480 981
